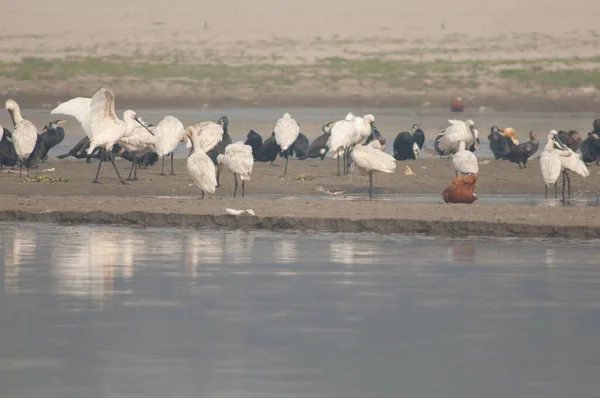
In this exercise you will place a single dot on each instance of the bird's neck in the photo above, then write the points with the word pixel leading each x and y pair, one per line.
pixel 16 116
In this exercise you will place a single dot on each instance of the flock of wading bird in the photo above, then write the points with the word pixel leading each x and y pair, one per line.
pixel 355 141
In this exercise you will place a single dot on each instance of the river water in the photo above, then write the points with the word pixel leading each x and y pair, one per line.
pixel 88 311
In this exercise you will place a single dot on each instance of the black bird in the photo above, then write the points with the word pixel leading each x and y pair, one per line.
pixel 499 144
pixel 255 141
pixel 418 135
pixel 269 150
pixel 520 153
pixel 220 147
pixel 8 154
pixel 319 148
pixel 376 135
pixel 590 148
pixel 39 150
pixel 300 145
pixel 146 159
pixel 52 135
pixel 79 150
pixel 405 146
pixel 570 138
pixel 298 148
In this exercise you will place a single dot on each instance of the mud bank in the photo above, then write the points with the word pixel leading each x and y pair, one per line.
pixel 355 216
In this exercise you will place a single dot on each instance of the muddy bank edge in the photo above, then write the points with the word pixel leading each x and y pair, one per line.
pixel 375 225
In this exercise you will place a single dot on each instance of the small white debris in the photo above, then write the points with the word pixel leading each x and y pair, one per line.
pixel 235 212
pixel 52 169
pixel 409 172
pixel 423 167
pixel 485 162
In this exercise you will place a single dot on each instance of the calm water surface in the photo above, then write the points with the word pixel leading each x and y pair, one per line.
pixel 118 312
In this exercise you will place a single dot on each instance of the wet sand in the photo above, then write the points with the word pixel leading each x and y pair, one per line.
pixel 297 201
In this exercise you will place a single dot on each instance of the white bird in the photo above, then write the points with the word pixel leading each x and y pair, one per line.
pixel 464 162
pixel 80 109
pixel 456 132
pixel 106 127
pixel 570 163
pixel 138 137
pixel 169 132
pixel 209 133
pixel 200 166
pixel 340 138
pixel 370 158
pixel 550 162
pixel 238 158
pixel 25 135
pixel 286 131
pixel 347 133
pixel 2 132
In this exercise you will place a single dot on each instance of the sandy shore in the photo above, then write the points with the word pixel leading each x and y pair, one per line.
pixel 304 53
pixel 295 201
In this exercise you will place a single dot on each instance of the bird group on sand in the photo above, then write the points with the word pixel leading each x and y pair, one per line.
pixel 353 141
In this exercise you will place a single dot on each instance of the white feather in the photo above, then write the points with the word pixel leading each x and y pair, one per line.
pixel 550 160
pixel 25 134
pixel 169 132
pixel 1 132
pixel 574 163
pixel 456 132
pixel 136 137
pixel 80 109
pixel 202 170
pixel 238 158
pixel 209 133
pixel 286 131
pixel 106 127
pixel 465 162
pixel 370 158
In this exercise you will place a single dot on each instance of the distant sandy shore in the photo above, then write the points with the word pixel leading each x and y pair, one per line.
pixel 268 53
pixel 297 201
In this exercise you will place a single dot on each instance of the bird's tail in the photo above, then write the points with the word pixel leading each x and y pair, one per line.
pixel 63 156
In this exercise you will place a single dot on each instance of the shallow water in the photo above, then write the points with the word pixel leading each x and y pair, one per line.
pixel 389 121
pixel 119 312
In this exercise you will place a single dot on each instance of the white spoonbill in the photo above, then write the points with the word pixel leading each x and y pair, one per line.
pixel 169 132
pixel 464 162
pixel 209 133
pixel 550 162
pixel 286 131
pixel 25 135
pixel 200 167
pixel 106 127
pixel 347 133
pixel 570 163
pixel 238 158
pixel 456 132
pixel 137 138
pixel 370 158
pixel 340 139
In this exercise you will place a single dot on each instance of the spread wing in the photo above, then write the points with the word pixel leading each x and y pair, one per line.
pixel 102 115
pixel 80 109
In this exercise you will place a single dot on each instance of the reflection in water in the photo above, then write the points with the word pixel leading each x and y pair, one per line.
pixel 20 249
pixel 285 251
pixel 216 313
pixel 351 252
pixel 462 253
pixel 85 264
pixel 550 255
